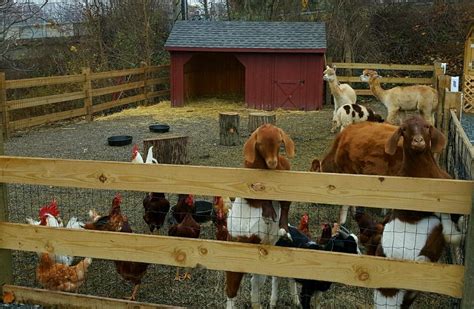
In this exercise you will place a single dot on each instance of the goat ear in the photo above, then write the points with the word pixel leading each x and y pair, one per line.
pixel 392 143
pixel 289 144
pixel 249 147
pixel 438 140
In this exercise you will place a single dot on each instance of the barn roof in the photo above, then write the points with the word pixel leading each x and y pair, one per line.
pixel 247 36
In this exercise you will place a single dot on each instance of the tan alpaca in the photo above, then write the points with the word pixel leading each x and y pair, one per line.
pixel 342 93
pixel 409 98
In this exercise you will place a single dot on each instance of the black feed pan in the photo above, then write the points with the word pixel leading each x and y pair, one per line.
pixel 203 211
pixel 120 140
pixel 159 128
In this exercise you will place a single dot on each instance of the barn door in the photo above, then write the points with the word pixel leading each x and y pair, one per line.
pixel 287 93
pixel 288 83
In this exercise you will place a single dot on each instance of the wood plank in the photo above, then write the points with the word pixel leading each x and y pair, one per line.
pixel 159 68
pixel 378 66
pixel 50 99
pixel 386 80
pixel 117 88
pixel 159 81
pixel 468 296
pixel 34 121
pixel 87 89
pixel 160 93
pixel 6 262
pixel 117 73
pixel 364 271
pixel 44 81
pixel 26 295
pixel 110 104
pixel 439 195
pixel 363 92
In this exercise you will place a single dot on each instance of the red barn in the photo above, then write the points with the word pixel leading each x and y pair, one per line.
pixel 270 64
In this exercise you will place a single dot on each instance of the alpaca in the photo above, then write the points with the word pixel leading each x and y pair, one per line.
pixel 342 93
pixel 418 97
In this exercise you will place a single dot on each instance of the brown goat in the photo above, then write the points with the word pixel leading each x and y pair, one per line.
pixel 420 140
pixel 261 151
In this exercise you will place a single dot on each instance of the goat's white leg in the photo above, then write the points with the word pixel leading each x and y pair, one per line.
pixel 256 282
pixel 274 297
pixel 343 214
pixel 295 297
pixel 334 122
pixel 452 233
pixel 230 303
pixel 317 299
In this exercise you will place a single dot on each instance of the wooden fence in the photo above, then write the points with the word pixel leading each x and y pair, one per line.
pixel 447 196
pixel 435 70
pixel 460 158
pixel 146 78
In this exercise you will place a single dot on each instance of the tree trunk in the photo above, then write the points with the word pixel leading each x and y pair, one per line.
pixel 169 149
pixel 229 124
pixel 257 119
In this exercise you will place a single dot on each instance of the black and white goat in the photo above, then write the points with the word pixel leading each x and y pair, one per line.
pixel 343 241
pixel 354 113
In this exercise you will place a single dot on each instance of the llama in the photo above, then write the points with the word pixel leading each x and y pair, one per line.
pixel 418 97
pixel 342 93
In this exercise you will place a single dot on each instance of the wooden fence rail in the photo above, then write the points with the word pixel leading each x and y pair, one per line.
pixel 149 77
pixel 451 196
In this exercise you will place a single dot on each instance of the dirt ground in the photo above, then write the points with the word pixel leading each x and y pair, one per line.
pixel 199 120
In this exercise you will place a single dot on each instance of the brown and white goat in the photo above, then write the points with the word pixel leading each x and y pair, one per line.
pixel 342 93
pixel 354 113
pixel 415 235
pixel 418 97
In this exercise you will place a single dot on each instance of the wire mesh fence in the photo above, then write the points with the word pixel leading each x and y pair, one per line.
pixel 205 289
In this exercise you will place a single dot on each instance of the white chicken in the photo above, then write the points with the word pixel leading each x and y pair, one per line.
pixel 49 216
pixel 137 157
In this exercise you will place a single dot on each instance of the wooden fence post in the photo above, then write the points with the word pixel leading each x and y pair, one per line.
pixel 87 92
pixel 3 105
pixel 468 295
pixel 327 90
pixel 6 276
pixel 443 82
pixel 437 71
pixel 145 81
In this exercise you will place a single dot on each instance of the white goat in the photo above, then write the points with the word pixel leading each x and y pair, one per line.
pixel 418 97
pixel 246 221
pixel 342 93
pixel 355 113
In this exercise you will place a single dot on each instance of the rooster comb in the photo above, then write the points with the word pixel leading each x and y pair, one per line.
pixel 51 208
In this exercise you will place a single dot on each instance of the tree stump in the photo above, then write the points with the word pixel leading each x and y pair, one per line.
pixel 229 124
pixel 168 149
pixel 257 119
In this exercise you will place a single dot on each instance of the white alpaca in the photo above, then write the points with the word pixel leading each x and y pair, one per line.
pixel 342 93
pixel 244 220
pixel 418 97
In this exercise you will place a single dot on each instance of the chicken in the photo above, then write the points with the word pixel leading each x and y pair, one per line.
pixel 60 277
pixel 221 209
pixel 116 222
pixel 303 227
pixel 49 216
pixel 184 205
pixel 326 234
pixel 137 157
pixel 189 228
pixel 370 233
pixel 156 207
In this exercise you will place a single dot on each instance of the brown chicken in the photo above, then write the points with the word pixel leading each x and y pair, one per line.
pixel 326 234
pixel 303 227
pixel 156 207
pixel 59 277
pixel 221 209
pixel 188 228
pixel 116 222
pixel 184 205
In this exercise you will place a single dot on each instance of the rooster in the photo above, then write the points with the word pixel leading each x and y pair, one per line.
pixel 156 207
pixel 49 216
pixel 115 221
pixel 186 227
pixel 60 277
pixel 137 157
